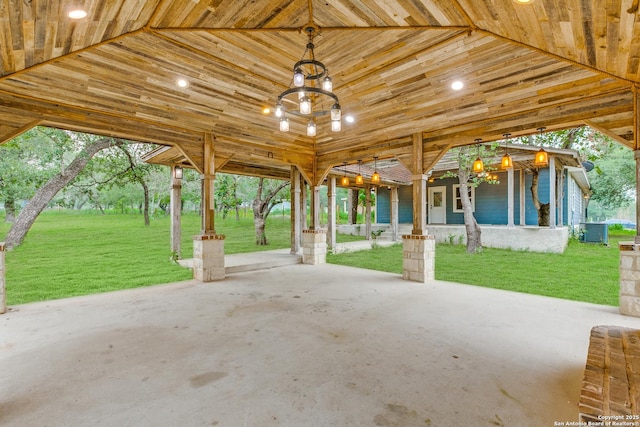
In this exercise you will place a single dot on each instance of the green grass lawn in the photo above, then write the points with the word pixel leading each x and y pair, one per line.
pixel 69 253
pixel 585 272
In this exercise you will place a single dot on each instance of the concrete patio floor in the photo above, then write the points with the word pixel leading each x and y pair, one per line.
pixel 297 345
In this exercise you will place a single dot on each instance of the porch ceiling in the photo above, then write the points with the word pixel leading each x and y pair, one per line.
pixel 548 63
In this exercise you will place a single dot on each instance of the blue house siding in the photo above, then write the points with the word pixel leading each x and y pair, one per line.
pixel 490 201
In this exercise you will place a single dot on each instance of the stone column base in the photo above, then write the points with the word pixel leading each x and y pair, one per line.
pixel 418 257
pixel 208 257
pixel 3 287
pixel 314 247
pixel 630 278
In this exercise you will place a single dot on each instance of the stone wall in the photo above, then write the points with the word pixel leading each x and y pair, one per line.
pixel 314 247
pixel 208 257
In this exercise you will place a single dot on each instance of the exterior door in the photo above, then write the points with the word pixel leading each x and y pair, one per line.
pixel 437 199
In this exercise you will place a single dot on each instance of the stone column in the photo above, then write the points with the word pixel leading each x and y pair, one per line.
pixel 314 247
pixel 418 257
pixel 630 278
pixel 176 211
pixel 331 220
pixel 208 257
pixel 3 287
pixel 208 247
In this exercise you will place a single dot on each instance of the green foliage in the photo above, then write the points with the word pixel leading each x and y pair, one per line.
pixel 613 178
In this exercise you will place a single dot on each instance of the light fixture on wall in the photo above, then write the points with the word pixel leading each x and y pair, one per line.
pixel 177 172
pixel 311 95
pixel 542 157
pixel 478 165
pixel 359 178
pixel 507 161
pixel 345 180
pixel 375 178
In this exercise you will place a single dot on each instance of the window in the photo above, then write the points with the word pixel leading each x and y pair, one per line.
pixel 457 203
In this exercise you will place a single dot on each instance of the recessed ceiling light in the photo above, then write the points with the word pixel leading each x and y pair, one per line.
pixel 266 110
pixel 182 83
pixel 457 85
pixel 523 1
pixel 77 14
pixel 349 119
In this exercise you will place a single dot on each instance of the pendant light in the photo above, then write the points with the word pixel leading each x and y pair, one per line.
pixel 478 165
pixel 311 128
pixel 345 180
pixel 359 178
pixel 507 161
pixel 375 178
pixel 542 157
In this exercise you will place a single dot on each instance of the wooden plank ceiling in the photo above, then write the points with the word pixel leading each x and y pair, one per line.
pixel 546 63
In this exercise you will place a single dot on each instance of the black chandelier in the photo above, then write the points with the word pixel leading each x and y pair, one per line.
pixel 311 95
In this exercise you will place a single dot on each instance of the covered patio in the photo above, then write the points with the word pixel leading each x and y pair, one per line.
pixel 298 346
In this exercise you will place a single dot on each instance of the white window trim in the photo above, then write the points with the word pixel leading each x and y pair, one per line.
pixel 456 191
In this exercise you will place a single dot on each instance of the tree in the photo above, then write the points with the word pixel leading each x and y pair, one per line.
pixel 90 146
pixel 265 199
pixel 613 178
pixel 226 193
pixel 468 179
pixel 26 162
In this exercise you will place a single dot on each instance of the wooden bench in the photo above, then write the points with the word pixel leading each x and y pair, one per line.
pixel 611 382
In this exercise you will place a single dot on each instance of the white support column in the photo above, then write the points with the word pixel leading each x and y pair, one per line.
pixel 552 192
pixel 523 198
pixel 331 220
pixel 3 286
pixel 176 212
pixel 510 198
pixel 394 213
pixel 296 224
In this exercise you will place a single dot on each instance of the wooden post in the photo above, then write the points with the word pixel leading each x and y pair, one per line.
pixel 394 213
pixel 176 211
pixel 552 192
pixel 419 187
pixel 296 230
pixel 367 212
pixel 315 208
pixel 510 198
pixel 208 191
pixel 332 202
pixel 636 143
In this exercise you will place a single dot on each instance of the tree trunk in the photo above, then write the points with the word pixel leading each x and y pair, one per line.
pixel 43 196
pixel 354 199
pixel 10 210
pixel 541 208
pixel 262 208
pixel 145 188
pixel 474 241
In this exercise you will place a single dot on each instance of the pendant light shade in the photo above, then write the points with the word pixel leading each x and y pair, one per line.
pixel 478 165
pixel 327 84
pixel 359 178
pixel 305 105
pixel 298 77
pixel 336 125
pixel 311 128
pixel 345 180
pixel 507 161
pixel 542 158
pixel 375 178
pixel 284 124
